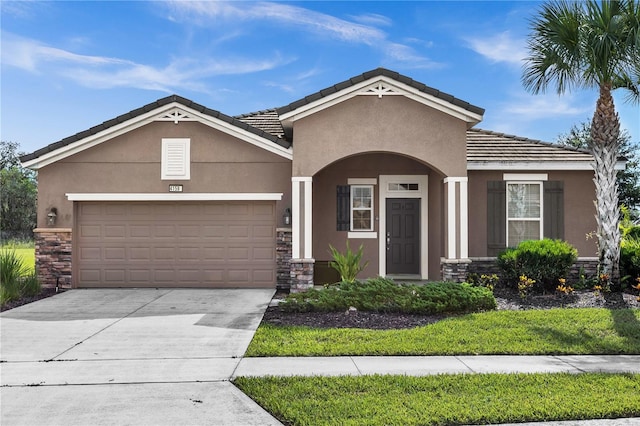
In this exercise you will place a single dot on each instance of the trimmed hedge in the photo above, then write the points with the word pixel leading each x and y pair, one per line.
pixel 545 261
pixel 384 295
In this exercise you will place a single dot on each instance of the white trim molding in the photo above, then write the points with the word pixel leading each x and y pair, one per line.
pixel 198 196
pixel 386 86
pixel 354 235
pixel 538 177
pixel 163 113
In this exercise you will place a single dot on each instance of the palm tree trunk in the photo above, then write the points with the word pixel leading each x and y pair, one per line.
pixel 605 146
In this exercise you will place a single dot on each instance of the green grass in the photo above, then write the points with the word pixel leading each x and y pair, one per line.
pixel 26 251
pixel 531 332
pixel 445 399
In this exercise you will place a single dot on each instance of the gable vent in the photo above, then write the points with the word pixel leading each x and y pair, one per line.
pixel 379 89
pixel 176 159
pixel 176 115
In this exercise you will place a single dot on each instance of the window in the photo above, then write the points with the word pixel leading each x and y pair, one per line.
pixel 524 212
pixel 361 207
pixel 176 159
pixel 403 187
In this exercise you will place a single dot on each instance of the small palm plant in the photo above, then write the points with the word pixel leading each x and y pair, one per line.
pixel 349 264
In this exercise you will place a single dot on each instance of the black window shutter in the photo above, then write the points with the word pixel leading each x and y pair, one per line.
pixel 343 209
pixel 553 209
pixel 496 217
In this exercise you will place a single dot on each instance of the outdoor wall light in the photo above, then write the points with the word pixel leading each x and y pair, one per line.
pixel 287 216
pixel 52 216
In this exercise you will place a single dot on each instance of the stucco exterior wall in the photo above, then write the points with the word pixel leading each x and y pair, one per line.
pixel 370 124
pixel 131 163
pixel 579 210
pixel 371 166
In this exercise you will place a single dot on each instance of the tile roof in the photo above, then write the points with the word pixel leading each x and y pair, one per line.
pixel 485 146
pixel 150 107
pixel 267 120
pixel 375 73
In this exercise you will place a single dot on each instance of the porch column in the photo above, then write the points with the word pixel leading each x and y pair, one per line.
pixel 302 230
pixel 456 260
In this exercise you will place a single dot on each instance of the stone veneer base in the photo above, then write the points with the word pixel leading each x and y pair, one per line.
pixel 301 274
pixel 53 256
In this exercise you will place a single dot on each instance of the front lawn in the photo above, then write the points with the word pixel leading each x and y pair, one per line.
pixel 530 332
pixel 445 399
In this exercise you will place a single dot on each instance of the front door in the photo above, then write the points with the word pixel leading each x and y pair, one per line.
pixel 403 236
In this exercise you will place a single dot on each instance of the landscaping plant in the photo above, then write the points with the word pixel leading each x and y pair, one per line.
pixel 543 261
pixel 348 265
pixel 384 295
pixel 16 278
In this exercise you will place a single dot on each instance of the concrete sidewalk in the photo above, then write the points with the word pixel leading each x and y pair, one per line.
pixel 430 365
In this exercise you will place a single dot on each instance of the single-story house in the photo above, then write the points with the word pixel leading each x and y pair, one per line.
pixel 177 194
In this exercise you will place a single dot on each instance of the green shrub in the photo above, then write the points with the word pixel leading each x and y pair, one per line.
pixel 485 280
pixel 544 261
pixel 30 285
pixel 384 295
pixel 349 264
pixel 630 258
pixel 11 269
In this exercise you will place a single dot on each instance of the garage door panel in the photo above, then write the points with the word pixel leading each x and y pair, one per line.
pixel 212 244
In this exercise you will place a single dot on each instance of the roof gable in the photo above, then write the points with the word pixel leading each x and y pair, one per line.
pixel 380 82
pixel 172 108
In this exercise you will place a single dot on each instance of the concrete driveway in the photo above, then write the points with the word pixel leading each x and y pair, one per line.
pixel 129 356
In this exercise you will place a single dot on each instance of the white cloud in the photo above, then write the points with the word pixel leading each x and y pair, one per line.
pixel 501 47
pixel 306 20
pixel 373 19
pixel 105 72
pixel 536 107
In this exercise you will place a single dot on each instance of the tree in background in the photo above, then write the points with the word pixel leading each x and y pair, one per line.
pixel 628 179
pixel 18 195
pixel 591 44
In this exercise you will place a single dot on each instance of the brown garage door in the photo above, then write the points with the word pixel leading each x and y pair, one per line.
pixel 175 244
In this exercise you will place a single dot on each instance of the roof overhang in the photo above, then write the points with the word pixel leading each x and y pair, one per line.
pixel 173 111
pixel 380 86
pixel 536 165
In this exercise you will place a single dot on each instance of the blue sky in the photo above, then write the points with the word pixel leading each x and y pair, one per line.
pixel 67 66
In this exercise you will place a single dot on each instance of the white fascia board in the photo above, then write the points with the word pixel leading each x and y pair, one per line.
pixel 216 196
pixel 408 91
pixel 541 165
pixel 149 117
pixel 96 139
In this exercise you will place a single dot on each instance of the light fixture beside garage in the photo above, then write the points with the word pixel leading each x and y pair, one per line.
pixel 286 217
pixel 52 216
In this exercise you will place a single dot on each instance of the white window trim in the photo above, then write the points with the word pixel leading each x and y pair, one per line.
pixel 526 219
pixel 185 145
pixel 362 181
pixel 362 234
pixel 539 177
pixel 352 209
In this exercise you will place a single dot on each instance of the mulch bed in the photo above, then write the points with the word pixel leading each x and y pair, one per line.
pixel 507 299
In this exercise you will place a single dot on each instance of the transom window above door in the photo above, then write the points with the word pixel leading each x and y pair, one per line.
pixel 392 186
pixel 362 207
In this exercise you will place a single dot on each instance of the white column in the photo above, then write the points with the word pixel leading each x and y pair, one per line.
pixel 464 219
pixel 295 218
pixel 308 209
pixel 301 217
pixel 451 217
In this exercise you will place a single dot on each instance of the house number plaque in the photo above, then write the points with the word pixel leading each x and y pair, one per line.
pixel 175 188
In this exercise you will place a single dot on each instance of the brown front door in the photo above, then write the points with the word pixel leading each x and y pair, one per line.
pixel 403 236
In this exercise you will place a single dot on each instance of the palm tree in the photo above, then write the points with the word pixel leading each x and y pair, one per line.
pixel 591 44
